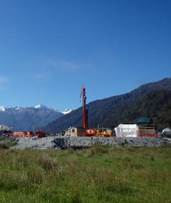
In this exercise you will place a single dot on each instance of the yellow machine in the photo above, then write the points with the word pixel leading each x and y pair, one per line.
pixel 103 132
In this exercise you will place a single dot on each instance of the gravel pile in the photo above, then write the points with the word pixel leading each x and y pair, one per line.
pixel 35 143
pixel 83 142
pixel 60 142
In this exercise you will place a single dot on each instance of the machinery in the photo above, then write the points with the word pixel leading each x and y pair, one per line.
pixel 85 130
pixel 99 132
pixel 90 132
pixel 84 109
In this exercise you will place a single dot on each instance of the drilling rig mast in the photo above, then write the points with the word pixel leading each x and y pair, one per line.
pixel 84 109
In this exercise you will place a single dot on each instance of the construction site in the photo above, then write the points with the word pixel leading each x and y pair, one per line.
pixel 144 126
pixel 141 133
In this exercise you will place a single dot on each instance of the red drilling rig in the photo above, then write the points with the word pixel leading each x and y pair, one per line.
pixel 90 132
pixel 85 111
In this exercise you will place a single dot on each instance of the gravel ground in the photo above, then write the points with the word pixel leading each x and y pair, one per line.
pixel 60 142
pixel 81 142
pixel 35 143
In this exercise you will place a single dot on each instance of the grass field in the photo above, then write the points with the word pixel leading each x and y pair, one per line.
pixel 96 175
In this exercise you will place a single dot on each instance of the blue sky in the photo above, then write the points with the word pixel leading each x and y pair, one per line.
pixel 50 48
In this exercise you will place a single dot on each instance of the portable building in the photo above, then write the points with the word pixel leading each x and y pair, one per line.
pixel 74 132
pixel 127 130
pixel 133 130
pixel 147 132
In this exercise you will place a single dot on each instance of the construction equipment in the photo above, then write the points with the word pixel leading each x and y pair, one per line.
pixel 84 109
pixel 99 132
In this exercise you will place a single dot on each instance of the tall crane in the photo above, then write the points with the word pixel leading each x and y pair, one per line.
pixel 84 109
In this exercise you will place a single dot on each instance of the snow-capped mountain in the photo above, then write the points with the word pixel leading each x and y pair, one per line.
pixel 27 118
pixel 2 108
pixel 40 106
pixel 67 111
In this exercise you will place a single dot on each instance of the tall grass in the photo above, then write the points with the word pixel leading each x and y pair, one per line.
pixel 99 174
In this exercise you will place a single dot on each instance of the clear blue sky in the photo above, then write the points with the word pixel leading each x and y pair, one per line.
pixel 49 48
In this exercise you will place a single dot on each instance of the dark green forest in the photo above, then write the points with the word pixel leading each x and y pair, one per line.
pixel 151 100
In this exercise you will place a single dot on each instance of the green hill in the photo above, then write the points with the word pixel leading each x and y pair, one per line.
pixel 151 100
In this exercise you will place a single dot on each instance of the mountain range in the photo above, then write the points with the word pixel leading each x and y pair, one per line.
pixel 27 118
pixel 151 100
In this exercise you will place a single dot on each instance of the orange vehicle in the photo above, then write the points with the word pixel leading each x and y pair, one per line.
pixel 91 132
pixel 100 132
pixel 23 134
pixel 103 132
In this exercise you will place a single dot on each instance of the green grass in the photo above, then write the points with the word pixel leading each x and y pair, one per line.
pixel 6 142
pixel 96 175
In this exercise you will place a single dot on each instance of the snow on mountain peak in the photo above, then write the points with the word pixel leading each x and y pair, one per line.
pixel 2 108
pixel 38 106
pixel 67 111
